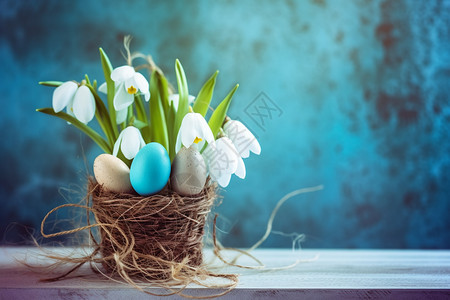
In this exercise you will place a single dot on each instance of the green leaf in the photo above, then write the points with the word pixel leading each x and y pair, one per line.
pixel 137 123
pixel 218 116
pixel 83 127
pixel 158 126
pixel 51 83
pixel 163 90
pixel 140 109
pixel 101 113
pixel 183 101
pixel 110 87
pixel 142 115
pixel 204 97
pixel 164 93
pixel 130 114
pixel 123 158
pixel 172 138
pixel 86 77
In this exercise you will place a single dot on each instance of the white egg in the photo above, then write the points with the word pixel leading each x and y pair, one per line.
pixel 189 173
pixel 112 173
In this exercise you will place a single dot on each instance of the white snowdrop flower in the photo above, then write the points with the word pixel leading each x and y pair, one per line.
pixel 223 160
pixel 193 130
pixel 78 101
pixel 127 83
pixel 130 142
pixel 242 138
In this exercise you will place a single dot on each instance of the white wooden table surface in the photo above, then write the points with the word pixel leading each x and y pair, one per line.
pixel 335 274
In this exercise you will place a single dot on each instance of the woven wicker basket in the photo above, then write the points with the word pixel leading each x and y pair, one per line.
pixel 151 232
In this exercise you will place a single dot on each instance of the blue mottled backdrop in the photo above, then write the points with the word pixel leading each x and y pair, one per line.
pixel 350 94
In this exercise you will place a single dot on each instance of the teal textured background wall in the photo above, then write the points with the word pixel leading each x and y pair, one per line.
pixel 359 91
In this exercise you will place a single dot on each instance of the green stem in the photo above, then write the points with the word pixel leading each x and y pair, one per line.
pixel 123 158
pixel 110 86
pixel 103 117
pixel 102 126
pixel 172 138
pixel 183 104
pixel 158 120
pixel 51 83
pixel 142 116
pixel 140 109
pixel 130 115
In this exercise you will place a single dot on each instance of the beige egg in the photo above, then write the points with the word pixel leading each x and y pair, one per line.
pixel 188 175
pixel 112 173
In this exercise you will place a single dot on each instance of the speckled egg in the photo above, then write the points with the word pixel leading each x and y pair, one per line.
pixel 112 173
pixel 150 169
pixel 189 174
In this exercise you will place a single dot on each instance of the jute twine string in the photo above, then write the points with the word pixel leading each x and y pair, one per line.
pixel 156 240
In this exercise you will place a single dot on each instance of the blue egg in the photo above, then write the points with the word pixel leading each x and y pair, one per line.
pixel 150 169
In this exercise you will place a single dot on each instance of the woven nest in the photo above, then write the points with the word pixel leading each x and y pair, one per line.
pixel 155 237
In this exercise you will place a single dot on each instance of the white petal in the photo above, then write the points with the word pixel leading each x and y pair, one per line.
pixel 122 73
pixel 146 96
pixel 240 171
pixel 122 99
pixel 69 110
pixel 121 115
pixel 175 98
pixel 206 131
pixel 203 130
pixel 215 172
pixel 221 158
pixel 255 147
pixel 242 138
pixel 130 82
pixel 209 152
pixel 178 142
pixel 195 126
pixel 229 128
pixel 244 153
pixel 188 130
pixel 188 136
pixel 84 104
pixel 103 88
pixel 199 146
pixel 63 94
pixel 131 142
pixel 142 141
pixel 141 82
pixel 117 144
pixel 224 180
pixel 228 154
pixel 209 155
